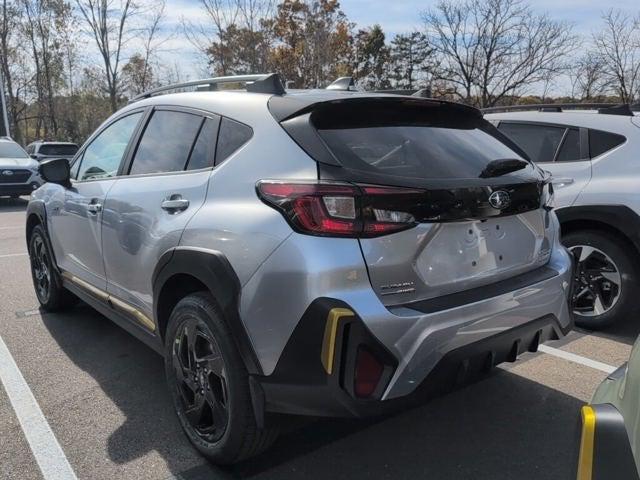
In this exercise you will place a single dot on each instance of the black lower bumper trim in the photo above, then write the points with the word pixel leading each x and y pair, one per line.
pixel 300 385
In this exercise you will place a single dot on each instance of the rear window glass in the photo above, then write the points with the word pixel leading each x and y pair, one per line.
pixel 202 155
pixel 601 142
pixel 570 149
pixel 11 150
pixel 64 150
pixel 231 137
pixel 540 142
pixel 419 151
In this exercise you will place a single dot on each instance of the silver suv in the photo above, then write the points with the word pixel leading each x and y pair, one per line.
pixel 18 173
pixel 324 252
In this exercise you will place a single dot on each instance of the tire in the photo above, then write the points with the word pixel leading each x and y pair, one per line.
pixel 53 297
pixel 615 308
pixel 224 427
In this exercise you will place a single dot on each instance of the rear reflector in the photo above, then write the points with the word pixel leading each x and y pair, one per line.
pixel 341 209
pixel 368 373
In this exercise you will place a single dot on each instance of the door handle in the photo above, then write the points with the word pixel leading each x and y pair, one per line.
pixel 562 181
pixel 94 208
pixel 175 203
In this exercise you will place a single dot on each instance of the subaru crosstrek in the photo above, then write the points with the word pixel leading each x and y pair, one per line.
pixel 321 252
pixel 18 173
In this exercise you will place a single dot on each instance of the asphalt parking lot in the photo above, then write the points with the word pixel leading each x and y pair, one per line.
pixel 104 398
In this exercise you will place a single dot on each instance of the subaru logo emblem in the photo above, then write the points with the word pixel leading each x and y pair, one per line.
pixel 7 172
pixel 499 199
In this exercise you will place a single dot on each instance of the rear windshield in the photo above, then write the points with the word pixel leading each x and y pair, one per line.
pixel 65 150
pixel 11 150
pixel 430 152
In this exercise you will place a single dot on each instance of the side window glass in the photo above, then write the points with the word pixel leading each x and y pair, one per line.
pixel 570 149
pixel 203 150
pixel 601 142
pixel 103 156
pixel 166 142
pixel 232 136
pixel 540 142
pixel 75 167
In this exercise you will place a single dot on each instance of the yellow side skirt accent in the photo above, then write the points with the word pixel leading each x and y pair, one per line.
pixel 585 461
pixel 330 333
pixel 140 317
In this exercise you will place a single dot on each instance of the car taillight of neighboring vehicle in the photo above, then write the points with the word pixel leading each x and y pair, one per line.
pixel 338 209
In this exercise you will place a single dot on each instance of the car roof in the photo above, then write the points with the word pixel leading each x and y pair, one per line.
pixel 40 142
pixel 585 119
pixel 247 107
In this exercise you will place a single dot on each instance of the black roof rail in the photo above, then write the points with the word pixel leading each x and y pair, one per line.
pixel 556 107
pixel 257 83
pixel 622 109
pixel 343 83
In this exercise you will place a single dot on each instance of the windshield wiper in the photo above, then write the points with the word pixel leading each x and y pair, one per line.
pixel 503 166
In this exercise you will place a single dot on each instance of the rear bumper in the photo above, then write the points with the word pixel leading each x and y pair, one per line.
pixel 434 353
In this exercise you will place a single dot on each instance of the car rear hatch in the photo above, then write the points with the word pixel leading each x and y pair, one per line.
pixel 454 204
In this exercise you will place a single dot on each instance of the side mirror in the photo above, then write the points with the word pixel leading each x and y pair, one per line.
pixel 56 170
pixel 34 156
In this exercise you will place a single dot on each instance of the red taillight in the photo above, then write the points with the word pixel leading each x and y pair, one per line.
pixel 368 373
pixel 341 209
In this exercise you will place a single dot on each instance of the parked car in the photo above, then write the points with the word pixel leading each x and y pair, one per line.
pixel 593 159
pixel 610 433
pixel 18 173
pixel 322 252
pixel 44 150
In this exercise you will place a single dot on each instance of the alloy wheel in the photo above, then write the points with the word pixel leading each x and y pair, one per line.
pixel 201 380
pixel 41 266
pixel 598 281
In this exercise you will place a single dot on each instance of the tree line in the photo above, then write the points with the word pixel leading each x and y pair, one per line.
pixel 68 64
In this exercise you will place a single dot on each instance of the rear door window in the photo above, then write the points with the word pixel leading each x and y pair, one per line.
pixel 166 143
pixel 570 149
pixel 232 136
pixel 204 149
pixel 64 150
pixel 540 142
pixel 601 142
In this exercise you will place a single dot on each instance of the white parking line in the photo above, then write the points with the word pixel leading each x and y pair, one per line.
pixel 7 255
pixel 45 447
pixel 572 357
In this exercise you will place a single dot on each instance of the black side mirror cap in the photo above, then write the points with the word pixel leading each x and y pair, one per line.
pixel 56 170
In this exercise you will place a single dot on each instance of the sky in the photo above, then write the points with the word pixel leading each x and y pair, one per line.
pixel 395 16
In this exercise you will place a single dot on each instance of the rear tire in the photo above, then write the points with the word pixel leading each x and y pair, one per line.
pixel 209 383
pixel 53 297
pixel 607 277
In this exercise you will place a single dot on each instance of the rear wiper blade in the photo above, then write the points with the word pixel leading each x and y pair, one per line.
pixel 502 166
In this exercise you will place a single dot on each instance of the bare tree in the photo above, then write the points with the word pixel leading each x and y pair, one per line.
pixel 617 46
pixel 110 24
pixel 588 77
pixel 493 49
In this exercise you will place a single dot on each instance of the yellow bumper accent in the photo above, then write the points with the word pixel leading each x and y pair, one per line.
pixel 330 333
pixel 585 461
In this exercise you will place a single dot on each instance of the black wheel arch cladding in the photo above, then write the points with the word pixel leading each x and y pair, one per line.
pixel 213 270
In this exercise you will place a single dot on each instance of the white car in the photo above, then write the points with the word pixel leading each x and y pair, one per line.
pixel 594 157
pixel 18 172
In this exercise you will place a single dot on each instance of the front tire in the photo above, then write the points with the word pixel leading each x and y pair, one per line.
pixel 209 383
pixel 606 279
pixel 53 297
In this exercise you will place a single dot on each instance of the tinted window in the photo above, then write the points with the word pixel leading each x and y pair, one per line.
pixel 540 142
pixel 102 157
pixel 570 149
pixel 418 151
pixel 202 155
pixel 600 142
pixel 11 150
pixel 166 143
pixel 231 137
pixel 64 150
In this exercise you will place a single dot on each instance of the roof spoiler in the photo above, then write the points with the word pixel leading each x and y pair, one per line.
pixel 622 109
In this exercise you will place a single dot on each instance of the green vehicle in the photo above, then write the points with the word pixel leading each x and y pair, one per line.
pixel 610 439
